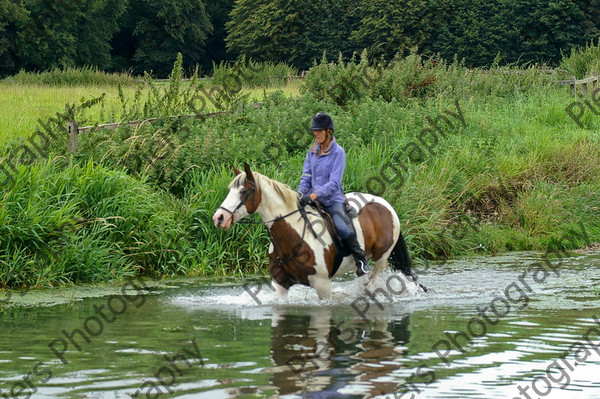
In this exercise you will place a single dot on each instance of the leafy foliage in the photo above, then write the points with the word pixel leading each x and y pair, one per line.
pixel 162 28
pixel 67 33
pixel 71 77
pixel 583 61
pixel 293 32
pixel 391 27
pixel 12 14
pixel 145 35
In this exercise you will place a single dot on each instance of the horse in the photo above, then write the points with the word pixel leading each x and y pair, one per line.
pixel 300 257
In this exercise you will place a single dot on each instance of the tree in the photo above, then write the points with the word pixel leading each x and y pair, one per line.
pixel 154 31
pixel 219 11
pixel 520 31
pixel 12 14
pixel 296 32
pixel 391 27
pixel 476 30
pixel 547 27
pixel 66 33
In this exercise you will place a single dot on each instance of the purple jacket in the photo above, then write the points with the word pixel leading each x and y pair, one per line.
pixel 322 174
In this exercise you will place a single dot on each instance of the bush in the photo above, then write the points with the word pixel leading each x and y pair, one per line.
pixel 583 61
pixel 249 74
pixel 413 76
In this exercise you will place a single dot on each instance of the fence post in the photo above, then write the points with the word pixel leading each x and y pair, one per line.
pixel 573 86
pixel 72 133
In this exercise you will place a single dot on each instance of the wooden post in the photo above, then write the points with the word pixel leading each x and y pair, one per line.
pixel 573 87
pixel 72 133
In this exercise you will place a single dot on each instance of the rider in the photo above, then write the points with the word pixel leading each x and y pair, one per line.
pixel 322 179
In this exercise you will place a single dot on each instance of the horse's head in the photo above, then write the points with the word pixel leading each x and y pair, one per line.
pixel 243 199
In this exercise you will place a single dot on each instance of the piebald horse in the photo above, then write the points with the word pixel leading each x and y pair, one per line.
pixel 296 254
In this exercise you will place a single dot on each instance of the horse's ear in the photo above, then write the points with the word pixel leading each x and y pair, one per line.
pixel 249 175
pixel 236 171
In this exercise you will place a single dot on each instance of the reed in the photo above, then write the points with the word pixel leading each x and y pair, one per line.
pixel 517 174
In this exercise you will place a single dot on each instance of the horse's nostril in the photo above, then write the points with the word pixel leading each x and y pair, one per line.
pixel 220 219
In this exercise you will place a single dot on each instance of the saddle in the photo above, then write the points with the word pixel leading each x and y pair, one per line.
pixel 340 250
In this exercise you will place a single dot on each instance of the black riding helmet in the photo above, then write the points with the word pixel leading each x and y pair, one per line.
pixel 321 121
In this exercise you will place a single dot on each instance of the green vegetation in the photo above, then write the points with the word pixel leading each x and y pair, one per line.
pixel 518 174
pixel 30 96
pixel 71 77
pixel 519 31
pixel 141 36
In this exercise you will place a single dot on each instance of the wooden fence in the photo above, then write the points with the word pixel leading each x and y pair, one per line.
pixel 73 130
pixel 584 83
pixel 188 79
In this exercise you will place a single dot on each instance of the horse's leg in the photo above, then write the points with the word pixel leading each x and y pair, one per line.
pixel 379 266
pixel 282 292
pixel 322 286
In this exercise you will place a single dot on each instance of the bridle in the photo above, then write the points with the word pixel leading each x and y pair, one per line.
pixel 244 199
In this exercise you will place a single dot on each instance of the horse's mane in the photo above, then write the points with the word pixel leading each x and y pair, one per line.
pixel 289 196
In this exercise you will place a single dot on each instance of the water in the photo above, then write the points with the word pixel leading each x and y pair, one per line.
pixel 225 344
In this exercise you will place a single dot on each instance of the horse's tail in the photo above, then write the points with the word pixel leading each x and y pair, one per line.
pixel 399 258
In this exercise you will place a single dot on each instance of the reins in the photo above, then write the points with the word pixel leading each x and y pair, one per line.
pixel 273 221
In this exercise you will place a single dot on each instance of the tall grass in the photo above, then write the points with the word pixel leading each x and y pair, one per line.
pixel 519 174
pixel 24 102
pixel 68 76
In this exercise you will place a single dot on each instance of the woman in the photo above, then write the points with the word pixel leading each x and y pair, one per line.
pixel 322 180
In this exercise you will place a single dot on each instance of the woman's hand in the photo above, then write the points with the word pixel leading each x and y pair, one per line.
pixel 313 197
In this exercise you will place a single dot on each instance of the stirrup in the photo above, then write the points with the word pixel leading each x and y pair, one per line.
pixel 362 268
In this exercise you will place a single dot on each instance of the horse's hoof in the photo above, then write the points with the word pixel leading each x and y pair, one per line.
pixel 362 268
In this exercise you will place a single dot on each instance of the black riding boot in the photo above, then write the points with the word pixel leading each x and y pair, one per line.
pixel 362 265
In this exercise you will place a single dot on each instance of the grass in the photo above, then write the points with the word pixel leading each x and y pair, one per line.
pixel 88 76
pixel 520 174
pixel 22 104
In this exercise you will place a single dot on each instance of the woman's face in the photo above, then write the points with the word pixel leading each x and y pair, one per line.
pixel 320 135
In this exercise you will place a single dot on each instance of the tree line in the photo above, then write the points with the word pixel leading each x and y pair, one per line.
pixel 145 35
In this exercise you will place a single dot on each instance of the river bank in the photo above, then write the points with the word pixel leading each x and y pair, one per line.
pixel 474 162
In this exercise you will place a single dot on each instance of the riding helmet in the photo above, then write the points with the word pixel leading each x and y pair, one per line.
pixel 321 121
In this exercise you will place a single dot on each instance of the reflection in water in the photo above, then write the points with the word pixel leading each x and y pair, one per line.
pixel 318 355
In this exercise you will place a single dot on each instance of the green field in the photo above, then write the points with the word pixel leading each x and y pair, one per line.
pixel 22 105
pixel 511 171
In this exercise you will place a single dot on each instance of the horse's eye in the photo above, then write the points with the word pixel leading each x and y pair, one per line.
pixel 244 191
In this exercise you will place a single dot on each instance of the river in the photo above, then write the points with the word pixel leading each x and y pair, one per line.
pixel 508 326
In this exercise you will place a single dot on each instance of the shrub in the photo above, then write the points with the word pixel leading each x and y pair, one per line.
pixel 583 61
pixel 248 74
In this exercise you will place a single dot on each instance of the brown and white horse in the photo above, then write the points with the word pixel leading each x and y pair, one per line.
pixel 297 255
